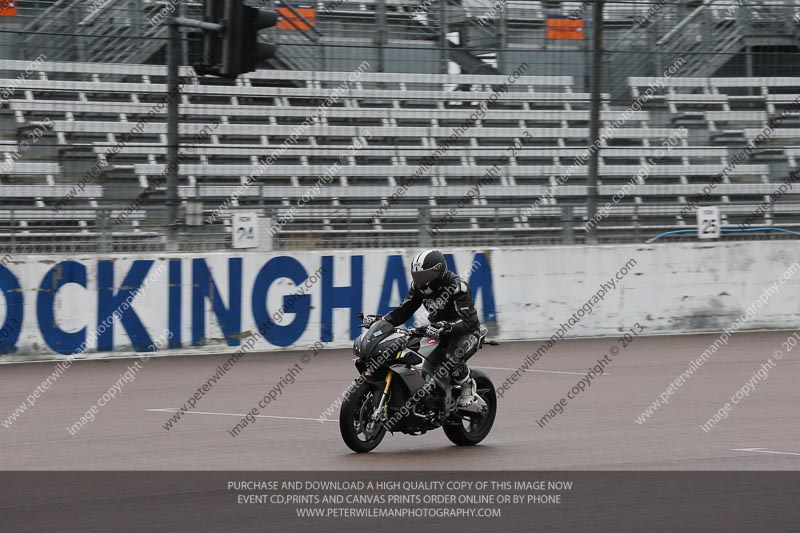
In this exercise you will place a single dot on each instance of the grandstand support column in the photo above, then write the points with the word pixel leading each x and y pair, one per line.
pixel 184 36
pixel 503 30
pixel 744 25
pixel 594 118
pixel 381 36
pixel 443 43
pixel 80 40
pixel 497 226
pixel 567 220
pixel 104 227
pixel 173 140
pixel 12 225
pixel 424 229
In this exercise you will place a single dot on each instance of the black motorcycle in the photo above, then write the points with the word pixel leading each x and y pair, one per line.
pixel 404 386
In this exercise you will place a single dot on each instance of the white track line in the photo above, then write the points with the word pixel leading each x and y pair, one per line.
pixel 544 371
pixel 762 450
pixel 173 410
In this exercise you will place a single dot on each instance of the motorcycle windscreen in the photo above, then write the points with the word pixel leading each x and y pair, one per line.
pixel 378 332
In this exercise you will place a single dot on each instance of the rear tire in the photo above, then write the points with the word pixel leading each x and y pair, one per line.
pixel 357 431
pixel 477 430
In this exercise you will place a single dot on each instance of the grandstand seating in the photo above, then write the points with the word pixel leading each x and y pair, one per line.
pixel 393 123
pixel 13 164
pixel 733 112
pixel 723 98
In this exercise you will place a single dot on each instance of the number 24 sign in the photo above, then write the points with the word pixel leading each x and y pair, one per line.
pixel 245 230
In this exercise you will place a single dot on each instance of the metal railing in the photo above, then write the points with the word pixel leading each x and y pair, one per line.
pixel 708 37
pixel 112 31
pixel 38 231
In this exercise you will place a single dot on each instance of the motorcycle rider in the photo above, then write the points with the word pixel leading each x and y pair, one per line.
pixel 451 313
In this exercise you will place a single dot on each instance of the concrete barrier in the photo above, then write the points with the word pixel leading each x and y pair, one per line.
pixel 92 306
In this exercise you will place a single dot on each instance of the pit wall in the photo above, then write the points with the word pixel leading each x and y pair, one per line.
pixel 100 306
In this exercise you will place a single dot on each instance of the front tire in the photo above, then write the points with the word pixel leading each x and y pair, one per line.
pixel 359 433
pixel 462 433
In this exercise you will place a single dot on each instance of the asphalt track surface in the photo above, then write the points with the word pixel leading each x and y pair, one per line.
pixel 597 430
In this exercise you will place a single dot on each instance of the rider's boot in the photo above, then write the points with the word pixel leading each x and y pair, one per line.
pixel 467 396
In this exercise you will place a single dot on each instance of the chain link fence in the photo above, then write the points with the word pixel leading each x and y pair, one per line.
pixel 696 103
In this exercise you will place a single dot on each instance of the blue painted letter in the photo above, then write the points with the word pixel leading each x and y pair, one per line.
pixel 110 303
pixel 12 326
pixel 341 297
pixel 175 302
pixel 56 338
pixel 203 286
pixel 299 305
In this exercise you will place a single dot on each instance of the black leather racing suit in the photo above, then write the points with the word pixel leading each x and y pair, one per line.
pixel 446 300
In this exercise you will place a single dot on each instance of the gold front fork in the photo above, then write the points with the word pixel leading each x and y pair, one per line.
pixel 388 382
pixel 382 404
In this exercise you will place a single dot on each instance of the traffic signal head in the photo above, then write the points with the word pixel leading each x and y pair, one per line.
pixel 236 50
pixel 251 52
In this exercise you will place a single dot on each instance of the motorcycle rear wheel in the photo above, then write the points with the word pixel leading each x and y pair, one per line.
pixel 477 429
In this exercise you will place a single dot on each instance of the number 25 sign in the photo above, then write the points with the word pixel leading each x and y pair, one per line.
pixel 708 222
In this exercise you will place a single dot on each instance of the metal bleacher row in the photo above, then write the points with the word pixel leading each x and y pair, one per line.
pixel 374 135
pixel 759 116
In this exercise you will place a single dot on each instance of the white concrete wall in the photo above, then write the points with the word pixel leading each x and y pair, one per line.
pixel 667 288
pixel 673 288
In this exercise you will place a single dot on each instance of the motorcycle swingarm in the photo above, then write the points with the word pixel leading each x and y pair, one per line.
pixel 476 408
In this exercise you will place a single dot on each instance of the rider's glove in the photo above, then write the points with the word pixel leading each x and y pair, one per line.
pixel 444 327
pixel 437 329
pixel 432 332
pixel 369 320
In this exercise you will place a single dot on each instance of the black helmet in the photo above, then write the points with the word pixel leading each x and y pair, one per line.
pixel 428 267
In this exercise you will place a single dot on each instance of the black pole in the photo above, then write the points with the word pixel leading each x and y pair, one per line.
pixel 173 140
pixel 594 118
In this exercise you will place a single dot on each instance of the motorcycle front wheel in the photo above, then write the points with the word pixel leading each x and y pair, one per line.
pixel 359 432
